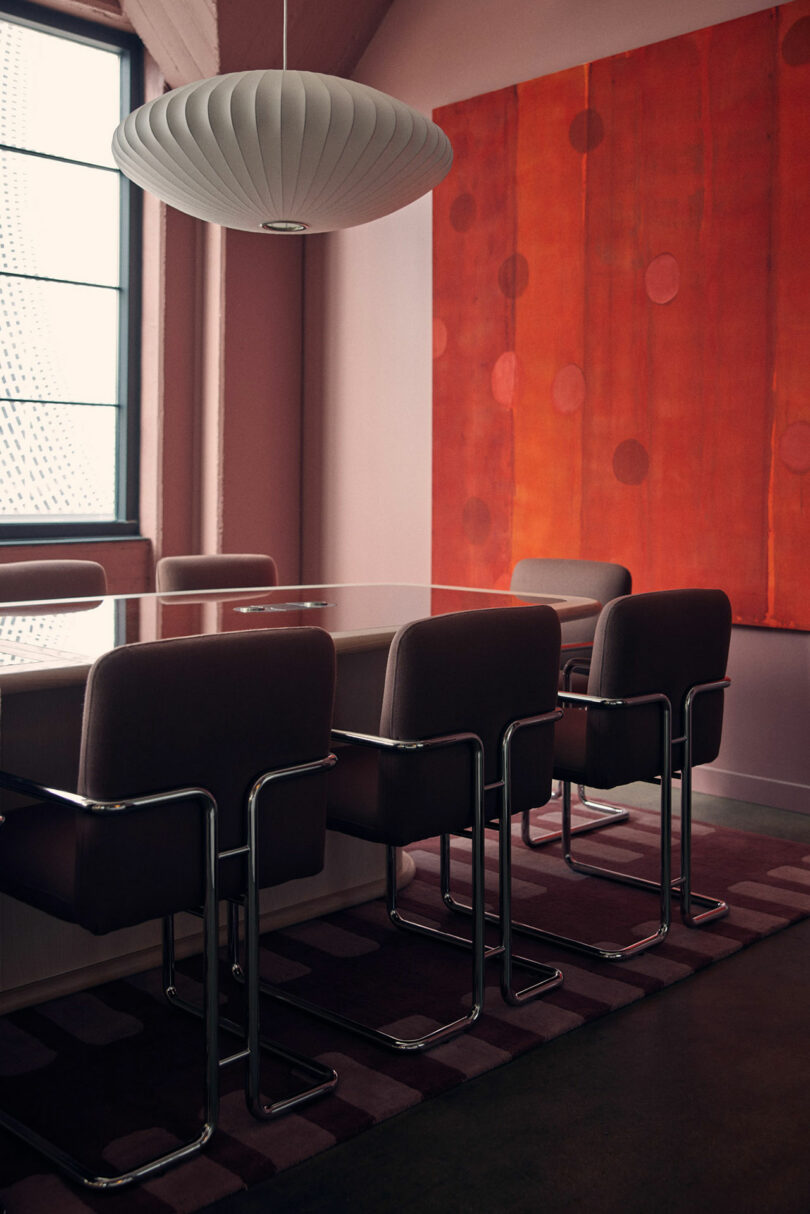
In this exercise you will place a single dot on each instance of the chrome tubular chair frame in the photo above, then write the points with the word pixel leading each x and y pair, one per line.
pixel 325 1077
pixel 619 953
pixel 451 1029
pixel 715 908
pixel 505 865
pixel 609 815
pixel 666 887
pixel 504 916
pixel 547 976
pixel 73 1167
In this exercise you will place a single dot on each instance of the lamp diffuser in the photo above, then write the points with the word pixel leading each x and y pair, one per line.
pixel 283 151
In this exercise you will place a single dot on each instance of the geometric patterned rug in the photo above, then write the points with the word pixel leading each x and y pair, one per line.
pixel 113 1072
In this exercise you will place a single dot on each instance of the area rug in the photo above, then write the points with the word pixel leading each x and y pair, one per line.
pixel 114 1072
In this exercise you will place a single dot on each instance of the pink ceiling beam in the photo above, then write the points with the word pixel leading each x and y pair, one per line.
pixel 193 39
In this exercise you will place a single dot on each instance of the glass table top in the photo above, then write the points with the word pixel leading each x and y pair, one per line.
pixel 57 633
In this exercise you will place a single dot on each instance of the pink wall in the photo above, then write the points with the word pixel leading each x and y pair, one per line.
pixel 367 376
pixel 367 395
pixel 221 371
pixel 765 756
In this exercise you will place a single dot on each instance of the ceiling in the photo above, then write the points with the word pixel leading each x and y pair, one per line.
pixel 192 39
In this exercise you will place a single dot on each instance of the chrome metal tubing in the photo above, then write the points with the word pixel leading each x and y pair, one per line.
pixel 549 976
pixel 72 1167
pixel 233 940
pixel 716 907
pixel 611 815
pixel 664 885
pixel 477 945
pixel 326 1076
pixel 552 977
pixel 681 887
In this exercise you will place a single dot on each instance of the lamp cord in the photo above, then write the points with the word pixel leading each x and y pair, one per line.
pixel 284 41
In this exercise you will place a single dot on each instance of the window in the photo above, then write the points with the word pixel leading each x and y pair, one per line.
pixel 69 271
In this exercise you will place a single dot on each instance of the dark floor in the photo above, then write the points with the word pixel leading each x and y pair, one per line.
pixel 696 1098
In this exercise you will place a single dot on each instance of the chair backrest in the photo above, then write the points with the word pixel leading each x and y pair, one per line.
pixel 213 712
pixel 468 672
pixel 665 641
pixel 602 580
pixel 27 581
pixel 215 571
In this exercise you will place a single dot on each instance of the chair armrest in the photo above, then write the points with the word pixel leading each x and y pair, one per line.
pixel 72 800
pixel 580 698
pixel 380 743
pixel 40 792
pixel 574 666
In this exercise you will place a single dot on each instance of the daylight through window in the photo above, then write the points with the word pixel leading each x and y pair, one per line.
pixel 67 314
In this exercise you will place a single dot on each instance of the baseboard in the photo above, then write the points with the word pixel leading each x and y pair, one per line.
pixel 758 790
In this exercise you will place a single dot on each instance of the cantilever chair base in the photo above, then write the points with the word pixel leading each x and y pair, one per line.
pixel 325 1077
pixel 716 908
pixel 87 1177
pixel 609 815
pixel 547 977
pixel 606 747
pixel 128 867
pixel 72 1167
pixel 664 885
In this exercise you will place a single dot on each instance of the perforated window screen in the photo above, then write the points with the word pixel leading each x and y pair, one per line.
pixel 68 294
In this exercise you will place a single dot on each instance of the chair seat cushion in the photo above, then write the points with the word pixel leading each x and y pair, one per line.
pixel 603 747
pixel 37 858
pixel 569 745
pixel 103 875
pixel 397 798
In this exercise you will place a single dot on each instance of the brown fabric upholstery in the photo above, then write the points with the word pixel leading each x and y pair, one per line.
pixel 215 571
pixel 602 580
pixel 26 581
pixel 212 712
pixel 666 641
pixel 473 671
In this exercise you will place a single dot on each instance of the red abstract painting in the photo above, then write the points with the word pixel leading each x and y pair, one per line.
pixel 622 320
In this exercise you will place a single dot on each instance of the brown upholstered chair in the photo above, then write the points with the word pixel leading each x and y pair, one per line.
pixel 215 571
pixel 466 735
pixel 601 580
pixel 202 775
pixel 654 707
pixel 27 581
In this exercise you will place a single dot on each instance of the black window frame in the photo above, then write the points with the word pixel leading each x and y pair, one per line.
pixel 127 521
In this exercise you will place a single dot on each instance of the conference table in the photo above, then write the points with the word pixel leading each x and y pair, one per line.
pixel 46 650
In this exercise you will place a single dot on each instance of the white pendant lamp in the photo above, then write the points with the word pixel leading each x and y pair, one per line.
pixel 282 151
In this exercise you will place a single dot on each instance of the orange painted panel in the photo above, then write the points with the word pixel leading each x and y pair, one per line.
pixel 553 133
pixel 789 501
pixel 477 280
pixel 655 395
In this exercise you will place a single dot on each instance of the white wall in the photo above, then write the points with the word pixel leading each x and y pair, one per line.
pixel 368 404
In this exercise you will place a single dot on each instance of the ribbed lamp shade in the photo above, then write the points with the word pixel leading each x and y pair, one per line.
pixel 282 151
